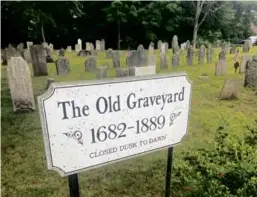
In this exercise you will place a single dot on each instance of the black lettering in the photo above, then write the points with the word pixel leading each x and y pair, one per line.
pixel 110 103
pixel 158 99
pixel 152 99
pixel 146 103
pixel 175 95
pixel 131 105
pixel 116 104
pixel 98 105
pixel 170 98
pixel 64 108
pixel 85 111
pixel 74 109
pixel 163 100
pixel 140 100
pixel 181 95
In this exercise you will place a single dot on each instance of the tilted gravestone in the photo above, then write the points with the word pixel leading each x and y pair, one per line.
pixel 125 72
pixel 101 72
pixel 251 73
pixel 246 46
pixel 190 55
pixel 19 78
pixel 38 59
pixel 209 53
pixel 243 62
pixel 163 61
pixel 116 59
pixel 201 54
pixel 222 54
pixel 221 68
pixel 174 44
pixel 62 66
pixel 230 89
pixel 90 64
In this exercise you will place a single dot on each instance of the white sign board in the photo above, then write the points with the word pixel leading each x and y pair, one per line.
pixel 93 123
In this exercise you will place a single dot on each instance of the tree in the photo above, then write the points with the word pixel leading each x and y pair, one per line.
pixel 202 10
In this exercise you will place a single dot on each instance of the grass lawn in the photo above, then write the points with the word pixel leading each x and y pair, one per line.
pixel 24 169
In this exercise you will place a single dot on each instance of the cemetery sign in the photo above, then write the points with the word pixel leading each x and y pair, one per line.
pixel 93 123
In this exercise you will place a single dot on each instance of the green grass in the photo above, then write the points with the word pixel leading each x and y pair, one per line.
pixel 24 169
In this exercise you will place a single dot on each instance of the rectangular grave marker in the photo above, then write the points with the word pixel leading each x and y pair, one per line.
pixel 97 129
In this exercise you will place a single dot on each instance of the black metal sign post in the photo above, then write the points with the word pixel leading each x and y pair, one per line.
pixel 74 185
pixel 168 172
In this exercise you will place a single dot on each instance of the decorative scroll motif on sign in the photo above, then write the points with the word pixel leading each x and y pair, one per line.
pixel 76 135
pixel 174 116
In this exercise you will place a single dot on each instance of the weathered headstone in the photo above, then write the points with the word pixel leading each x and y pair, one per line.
pixel 125 72
pixel 220 68
pixel 20 49
pixel 109 53
pixel 88 46
pixel 27 57
pixel 163 60
pixel 201 54
pixel 166 47
pixel 69 49
pixel 116 59
pixel 20 84
pixel 90 64
pixel 209 53
pixel 80 44
pixel 62 66
pixel 151 48
pixel 190 55
pixel 49 58
pixel 175 59
pixel 97 45
pixel 251 73
pixel 84 53
pixel 233 49
pixel 163 48
pixel 175 46
pixel 144 70
pixel 243 62
pixel 101 72
pixel 222 54
pixel 102 45
pixel 38 58
pixel 61 52
pixel 187 44
pixel 159 44
pixel 11 52
pixel 29 44
pixel 246 46
pixel 229 89
pixel 51 47
pixel 92 47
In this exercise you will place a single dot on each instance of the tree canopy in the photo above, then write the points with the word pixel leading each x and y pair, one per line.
pixel 125 24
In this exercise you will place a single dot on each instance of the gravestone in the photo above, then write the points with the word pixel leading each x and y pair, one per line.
pixel 45 44
pixel 84 53
pixel 77 48
pixel 80 44
pixel 92 47
pixel 69 49
pixel 166 47
pixel 101 72
pixel 88 46
pixel 243 62
pixel 233 49
pixel 221 68
pixel 218 43
pixel 137 58
pixel 163 48
pixel 159 44
pixel 174 44
pixel 144 71
pixel 246 46
pixel 49 81
pixel 187 44
pixel 251 73
pixel 62 66
pixel 3 56
pixel 29 44
pixel 51 47
pixel 27 56
pixel 175 59
pixel 125 72
pixel 38 59
pixel 190 55
pixel 11 52
pixel 201 54
pixel 222 54
pixel 19 78
pixel 97 45
pixel 102 45
pixel 61 52
pixel 151 48
pixel 163 60
pixel 20 49
pixel 90 64
pixel 183 46
pixel 209 53
pixel 49 58
pixel 116 59
pixel 151 60
pixel 230 89
pixel 108 54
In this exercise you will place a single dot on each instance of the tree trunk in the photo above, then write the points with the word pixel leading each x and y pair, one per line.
pixel 195 35
pixel 43 32
pixel 196 21
pixel 118 35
